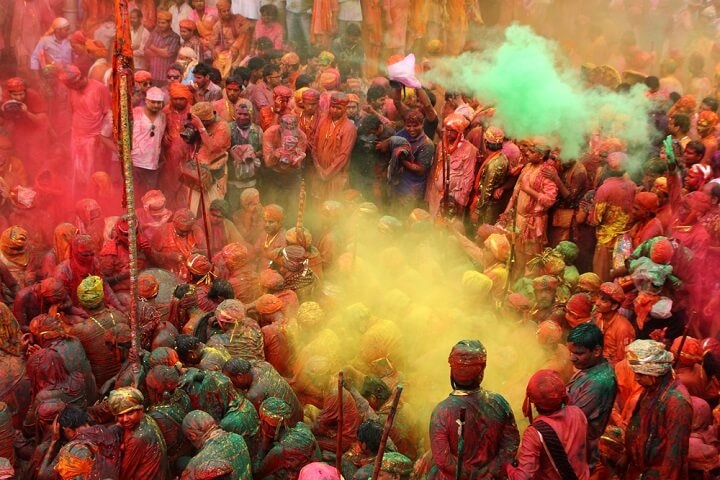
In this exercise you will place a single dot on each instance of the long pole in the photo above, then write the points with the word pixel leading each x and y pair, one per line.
pixel 122 121
pixel 461 445
pixel 338 446
pixel 386 433
pixel 203 207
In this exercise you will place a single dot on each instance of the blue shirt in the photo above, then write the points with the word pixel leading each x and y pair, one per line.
pixel 54 51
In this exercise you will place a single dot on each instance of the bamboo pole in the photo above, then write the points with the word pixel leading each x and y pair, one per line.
pixel 386 433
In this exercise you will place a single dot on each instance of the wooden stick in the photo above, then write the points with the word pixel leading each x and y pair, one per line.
pixel 338 448
pixel 461 444
pixel 386 432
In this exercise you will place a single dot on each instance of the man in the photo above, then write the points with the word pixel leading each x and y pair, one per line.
pixel 413 179
pixel 173 244
pixel 90 102
pixel 617 330
pixel 29 23
pixel 206 90
pixel 487 412
pixel 114 257
pixel 491 177
pixel 211 154
pixel 162 47
pixel 149 124
pixel 284 147
pixel 226 106
pixel 571 179
pixel 212 444
pixel 175 150
pixel 274 238
pixel 53 50
pixel 280 107
pixel 545 306
pixel 261 94
pixel 331 151
pixel 144 454
pixel 645 225
pixel 231 34
pixel 290 68
pixel 309 116
pixel 26 117
pixel 139 37
pixel 679 126
pixel 557 424
pixel 706 123
pixel 240 335
pixel 349 52
pixel 593 386
pixel 610 212
pixel 246 152
pixel 241 271
pixel 461 156
pixel 533 196
pixel 657 437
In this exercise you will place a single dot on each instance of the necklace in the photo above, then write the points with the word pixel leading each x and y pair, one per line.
pixel 268 243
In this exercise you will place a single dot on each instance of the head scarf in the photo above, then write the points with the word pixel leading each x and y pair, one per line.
pixel 268 304
pixel 125 399
pixel 9 331
pixel 476 284
pixel 310 95
pixel 518 301
pixel 456 122
pixel 648 357
pixel 90 291
pixel 579 305
pixel 141 76
pixel 16 84
pixel 178 90
pixel 187 52
pixel 148 286
pixel 76 459
pixel 329 79
pixel 569 251
pixel 203 110
pixel 52 290
pixel 498 245
pixel 57 24
pixel 294 256
pixel 589 282
pixel 282 91
pixel 549 333
pixel 310 315
pixel 662 251
pixel 154 94
pixel 88 210
pixel 692 351
pixel 319 471
pixel 273 213
pixel 69 75
pixel 647 201
pixel 352 98
pixel 546 390
pixel 545 282
pixel 232 309
pixel 494 135
pixel 13 244
pixel 183 219
pixel 198 264
pixel 290 58
pixel 271 280
pixel 235 255
pixel 80 245
pixel 62 239
pixel 187 24
pixel 707 119
pixel 467 361
pixel 274 410
pixel 325 58
pixel 339 99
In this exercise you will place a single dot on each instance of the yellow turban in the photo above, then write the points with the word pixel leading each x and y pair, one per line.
pixel 90 292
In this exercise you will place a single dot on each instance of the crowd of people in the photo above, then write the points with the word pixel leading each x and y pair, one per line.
pixel 309 203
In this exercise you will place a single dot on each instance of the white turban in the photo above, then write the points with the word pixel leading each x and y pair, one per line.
pixel 648 357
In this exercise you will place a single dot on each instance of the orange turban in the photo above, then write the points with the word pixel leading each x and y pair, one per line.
pixel 164 15
pixel 692 351
pixel 456 122
pixel 268 304
pixel 271 280
pixel 148 286
pixel 187 24
pixel 706 120
pixel 662 251
pixel 549 333
pixel 329 79
pixel 178 90
pixel 647 201
pixel 273 212
pixel 235 255
pixel 142 76
pixel 16 84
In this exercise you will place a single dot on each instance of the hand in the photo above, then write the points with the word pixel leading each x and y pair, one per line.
pixel 197 123
pixel 181 290
pixel 658 334
pixel 33 349
pixel 550 174
pixel 498 193
pixel 585 205
pixel 55 430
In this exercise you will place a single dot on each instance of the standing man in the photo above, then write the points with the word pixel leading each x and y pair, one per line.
pixel 149 124
pixel 176 151
pixel 491 177
pixel 90 101
pixel 333 145
pixel 53 49
pixel 206 90
pixel 491 436
pixel 658 435
pixel 162 47
pixel 226 105
pixel 144 454
pixel 593 386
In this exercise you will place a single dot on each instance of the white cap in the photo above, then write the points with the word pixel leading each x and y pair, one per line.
pixel 155 94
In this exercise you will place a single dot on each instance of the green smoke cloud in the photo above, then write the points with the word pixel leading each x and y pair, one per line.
pixel 537 93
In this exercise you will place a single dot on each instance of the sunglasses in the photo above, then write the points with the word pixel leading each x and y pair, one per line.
pixel 173 77
pixel 152 130
pixel 146 84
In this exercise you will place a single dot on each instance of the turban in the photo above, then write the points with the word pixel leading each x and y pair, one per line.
pixel 142 76
pixel 698 201
pixel 476 283
pixel 298 94
pixel 319 471
pixel 164 15
pixel 154 201
pixel 291 237
pixel 13 242
pixel 310 95
pixel 273 213
pixel 49 408
pixel 57 24
pixel 154 94
pixel 290 59
pixel 329 79
pixel 580 305
pixel 647 201
pixel 187 52
pixel 325 58
pixel 545 282
pixel 648 357
pixel 518 301
pixel 90 291
pixel 614 291
pixel 274 410
pixel 692 351
pixel 198 264
pixel 662 251
pixel 163 378
pixel 148 286
pixel 125 399
pixel 16 84
pixel 661 185
pixel 282 91
pixel 494 135
pixel 456 122
pixel 396 463
pixel 198 422
pixel 178 90
pixel 498 245
pixel 549 333
pixel 352 98
pixel 467 361
pixel 187 24
pixel 294 255
pixel 235 255
pixel 569 250
pixel 271 280
pixel 268 304
pixel 184 219
pixel 686 104
pixel 119 334
pixel 76 459
pixel 590 282
pixel 96 48
pixel 52 290
pixel 163 356
pixel 310 315
pixel 339 99
pixel 213 358
pixel 616 161
pixel 70 74
pixel 232 310
pixel 547 390
pixel 203 110
pixel 707 119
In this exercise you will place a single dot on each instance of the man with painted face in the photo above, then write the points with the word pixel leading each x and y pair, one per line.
pixel 617 330
pixel 240 335
pixel 487 412
pixel 144 454
pixel 546 307
pixel 226 106
pixel 491 177
pixel 658 435
pixel 309 116
pixel 175 150
pixel 274 238
pixel 245 152
pixel 114 257
pixel 26 116
pixel 593 386
pixel 173 244
pixel 284 147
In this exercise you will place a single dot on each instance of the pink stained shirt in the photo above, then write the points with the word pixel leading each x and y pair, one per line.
pixel 272 30
pixel 89 107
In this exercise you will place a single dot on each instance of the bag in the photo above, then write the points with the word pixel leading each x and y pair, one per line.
pixel 563 217
pixel 555 450
pixel 189 176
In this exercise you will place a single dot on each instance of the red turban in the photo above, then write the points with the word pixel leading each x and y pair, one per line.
pixel 662 251
pixel 549 333
pixel 187 24
pixel 235 255
pixel 148 286
pixel 518 301
pixel 339 99
pixel 142 76
pixel 183 219
pixel 178 90
pixel 198 264
pixel 268 304
pixel 614 291
pixel 271 280
pixel 467 361
pixel 647 201
pixel 456 122
pixel 547 390
pixel 273 212
pixel 16 84
pixel 282 91
pixel 580 305
pixel 310 96
pixel 692 351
